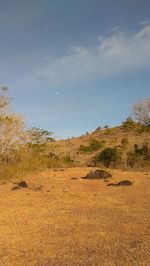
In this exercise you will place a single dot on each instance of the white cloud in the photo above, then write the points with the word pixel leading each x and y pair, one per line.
pixel 143 22
pixel 117 53
pixel 115 29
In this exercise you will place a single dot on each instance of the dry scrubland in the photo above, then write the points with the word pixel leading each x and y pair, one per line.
pixel 112 137
pixel 60 220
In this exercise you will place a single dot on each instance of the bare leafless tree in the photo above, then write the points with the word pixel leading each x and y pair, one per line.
pixel 141 112
pixel 12 132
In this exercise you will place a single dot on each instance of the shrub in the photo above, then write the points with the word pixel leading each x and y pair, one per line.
pixel 129 124
pixel 67 160
pixel 106 126
pixel 124 142
pixel 108 131
pixel 96 144
pixel 98 129
pixel 84 149
pixel 139 156
pixel 93 146
pixel 143 128
pixel 108 156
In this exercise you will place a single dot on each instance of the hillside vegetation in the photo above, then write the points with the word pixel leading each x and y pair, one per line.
pixel 123 146
pixel 72 212
pixel 24 149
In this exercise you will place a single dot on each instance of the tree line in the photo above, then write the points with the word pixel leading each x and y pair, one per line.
pixel 23 149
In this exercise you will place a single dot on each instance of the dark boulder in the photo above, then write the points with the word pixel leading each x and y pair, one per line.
pixel 121 183
pixel 21 184
pixel 125 183
pixel 98 174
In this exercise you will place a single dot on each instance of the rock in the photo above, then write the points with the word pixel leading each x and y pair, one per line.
pixel 98 174
pixel 23 184
pixel 74 178
pixel 19 185
pixel 125 183
pixel 15 188
pixel 121 183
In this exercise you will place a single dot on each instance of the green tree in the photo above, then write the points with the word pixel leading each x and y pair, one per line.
pixel 39 138
pixel 108 156
pixel 129 123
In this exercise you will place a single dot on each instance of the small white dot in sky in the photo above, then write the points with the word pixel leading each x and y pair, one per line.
pixel 56 93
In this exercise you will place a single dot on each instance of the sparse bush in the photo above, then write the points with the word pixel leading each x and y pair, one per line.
pixel 96 144
pixel 139 156
pixel 129 124
pixel 108 157
pixel 53 156
pixel 108 131
pixel 144 129
pixel 106 126
pixel 84 149
pixel 93 146
pixel 67 160
pixel 124 142
pixel 98 129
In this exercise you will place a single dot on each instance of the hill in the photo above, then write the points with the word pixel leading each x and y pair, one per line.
pixel 126 140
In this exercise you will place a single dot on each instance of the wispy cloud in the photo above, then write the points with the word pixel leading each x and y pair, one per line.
pixel 143 22
pixel 114 54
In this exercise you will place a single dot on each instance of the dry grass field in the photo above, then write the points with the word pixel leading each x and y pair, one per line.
pixel 62 219
pixel 112 138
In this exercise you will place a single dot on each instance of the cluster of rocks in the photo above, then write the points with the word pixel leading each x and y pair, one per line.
pixel 97 174
pixel 105 175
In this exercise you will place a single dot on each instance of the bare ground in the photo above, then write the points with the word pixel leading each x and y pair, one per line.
pixel 63 221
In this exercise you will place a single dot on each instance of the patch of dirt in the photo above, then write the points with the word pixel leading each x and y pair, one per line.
pixel 75 223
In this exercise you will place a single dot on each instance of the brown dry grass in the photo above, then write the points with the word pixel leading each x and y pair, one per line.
pixel 111 136
pixel 64 221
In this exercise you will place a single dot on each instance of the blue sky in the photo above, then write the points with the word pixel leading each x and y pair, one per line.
pixel 74 65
